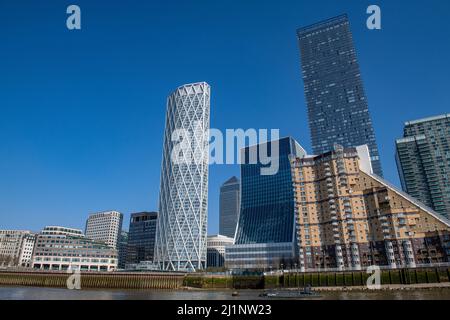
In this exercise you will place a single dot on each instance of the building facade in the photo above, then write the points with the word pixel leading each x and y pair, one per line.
pixel 348 218
pixel 265 235
pixel 216 250
pixel 423 161
pixel 337 104
pixel 15 246
pixel 229 206
pixel 26 252
pixel 141 237
pixel 105 226
pixel 60 248
pixel 181 230
pixel 123 249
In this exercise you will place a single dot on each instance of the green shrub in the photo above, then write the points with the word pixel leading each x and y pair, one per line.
pixel 314 280
pixel 432 276
pixel 339 279
pixel 323 279
pixel 421 277
pixel 395 277
pixel 349 279
pixel 443 276
pixel 385 278
pixel 271 281
pixel 357 279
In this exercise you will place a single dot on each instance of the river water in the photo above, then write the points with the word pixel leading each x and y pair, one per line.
pixel 34 293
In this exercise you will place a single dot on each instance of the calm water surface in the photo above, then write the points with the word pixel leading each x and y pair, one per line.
pixel 33 293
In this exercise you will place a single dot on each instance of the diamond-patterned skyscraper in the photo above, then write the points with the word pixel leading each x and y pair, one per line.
pixel 181 232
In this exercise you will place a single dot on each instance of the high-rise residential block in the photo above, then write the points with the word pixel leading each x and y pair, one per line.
pixel 105 226
pixel 337 105
pixel 181 230
pixel 349 219
pixel 423 161
pixel 141 237
pixel 229 205
pixel 265 234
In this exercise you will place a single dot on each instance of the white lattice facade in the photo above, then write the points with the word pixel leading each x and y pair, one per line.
pixel 181 233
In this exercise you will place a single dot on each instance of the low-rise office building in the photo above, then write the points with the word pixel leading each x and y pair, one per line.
pixel 60 248
pixel 215 251
pixel 16 247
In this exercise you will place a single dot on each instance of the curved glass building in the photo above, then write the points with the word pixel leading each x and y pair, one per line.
pixel 181 231
pixel 266 231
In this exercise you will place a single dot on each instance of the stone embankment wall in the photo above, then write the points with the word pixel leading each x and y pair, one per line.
pixel 115 280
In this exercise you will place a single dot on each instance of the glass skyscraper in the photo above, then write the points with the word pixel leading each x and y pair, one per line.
pixel 423 161
pixel 229 204
pixel 337 105
pixel 181 231
pixel 265 234
pixel 141 237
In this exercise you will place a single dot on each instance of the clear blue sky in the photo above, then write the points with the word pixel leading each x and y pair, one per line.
pixel 82 112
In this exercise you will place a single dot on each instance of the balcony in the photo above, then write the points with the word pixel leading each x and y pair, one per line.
pixel 384 199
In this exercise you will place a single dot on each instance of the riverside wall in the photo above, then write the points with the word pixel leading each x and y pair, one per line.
pixel 155 280
pixel 116 280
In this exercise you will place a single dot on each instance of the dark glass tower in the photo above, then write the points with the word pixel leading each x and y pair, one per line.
pixel 337 105
pixel 423 161
pixel 229 206
pixel 141 237
pixel 267 203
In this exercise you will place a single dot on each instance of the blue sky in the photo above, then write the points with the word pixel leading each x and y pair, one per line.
pixel 82 112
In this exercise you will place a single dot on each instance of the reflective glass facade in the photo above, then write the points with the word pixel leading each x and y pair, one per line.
pixel 337 105
pixel 423 161
pixel 267 201
pixel 141 237
pixel 229 205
